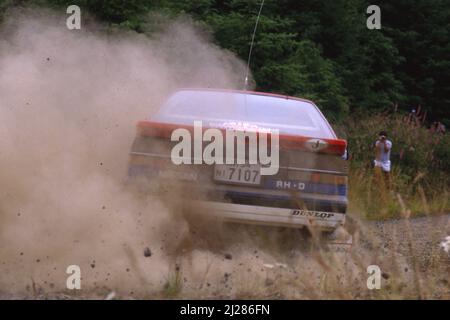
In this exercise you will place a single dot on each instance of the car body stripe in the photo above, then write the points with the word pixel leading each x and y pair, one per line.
pixel 305 186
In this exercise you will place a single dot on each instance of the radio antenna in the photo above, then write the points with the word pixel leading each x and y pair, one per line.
pixel 251 46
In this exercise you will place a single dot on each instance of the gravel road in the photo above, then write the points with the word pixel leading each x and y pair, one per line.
pixel 278 270
pixel 426 234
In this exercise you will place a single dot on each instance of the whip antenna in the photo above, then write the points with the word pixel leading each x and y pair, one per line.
pixel 251 46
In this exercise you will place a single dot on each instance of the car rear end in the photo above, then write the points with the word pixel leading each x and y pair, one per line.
pixel 309 188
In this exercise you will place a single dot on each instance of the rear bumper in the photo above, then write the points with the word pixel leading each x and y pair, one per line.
pixel 283 217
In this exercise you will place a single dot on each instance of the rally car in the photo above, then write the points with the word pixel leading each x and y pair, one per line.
pixel 309 188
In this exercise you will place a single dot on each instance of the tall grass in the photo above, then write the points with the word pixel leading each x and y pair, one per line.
pixel 420 166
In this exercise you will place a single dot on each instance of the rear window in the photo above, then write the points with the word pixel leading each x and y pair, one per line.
pixel 222 109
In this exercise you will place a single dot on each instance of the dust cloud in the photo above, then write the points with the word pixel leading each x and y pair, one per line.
pixel 69 102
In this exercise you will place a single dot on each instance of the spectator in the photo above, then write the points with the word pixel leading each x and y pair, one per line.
pixel 382 160
pixel 434 127
pixel 412 117
pixel 441 128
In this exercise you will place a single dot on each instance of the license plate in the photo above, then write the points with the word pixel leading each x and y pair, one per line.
pixel 238 173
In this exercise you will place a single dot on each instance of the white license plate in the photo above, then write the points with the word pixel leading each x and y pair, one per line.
pixel 238 173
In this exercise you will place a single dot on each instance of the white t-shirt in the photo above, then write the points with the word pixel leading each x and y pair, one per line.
pixel 384 156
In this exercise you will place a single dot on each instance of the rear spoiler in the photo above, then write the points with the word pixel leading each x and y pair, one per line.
pixel 329 146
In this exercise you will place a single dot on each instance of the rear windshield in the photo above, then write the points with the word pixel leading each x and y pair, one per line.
pixel 228 109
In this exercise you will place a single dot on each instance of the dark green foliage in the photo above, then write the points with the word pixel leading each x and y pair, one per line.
pixel 320 50
pixel 406 62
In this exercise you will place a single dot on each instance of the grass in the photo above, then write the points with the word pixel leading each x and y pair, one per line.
pixel 173 285
pixel 420 167
pixel 372 201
